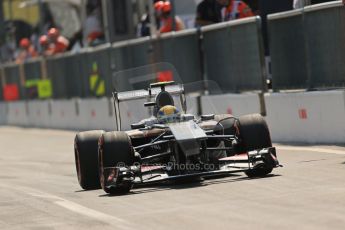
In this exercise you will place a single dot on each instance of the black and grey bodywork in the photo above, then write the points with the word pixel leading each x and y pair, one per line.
pixel 188 147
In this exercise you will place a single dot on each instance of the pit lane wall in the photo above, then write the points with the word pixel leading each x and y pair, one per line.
pixel 296 117
pixel 308 117
pixel 236 104
pixel 73 114
pixel 76 114
pixel 299 117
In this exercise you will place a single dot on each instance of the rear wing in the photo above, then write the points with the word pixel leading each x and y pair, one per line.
pixel 151 92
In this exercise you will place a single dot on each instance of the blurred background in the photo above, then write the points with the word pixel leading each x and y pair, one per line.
pixel 118 19
pixel 73 48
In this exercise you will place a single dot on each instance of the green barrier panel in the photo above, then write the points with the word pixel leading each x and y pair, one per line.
pixel 234 55
pixel 65 73
pixel 307 47
pixel 128 55
pixel 97 86
pixel 287 48
pixel 96 75
pixel 44 89
pixel 31 88
pixel 37 88
pixel 324 28
pixel 32 69
pixel 2 84
pixel 182 51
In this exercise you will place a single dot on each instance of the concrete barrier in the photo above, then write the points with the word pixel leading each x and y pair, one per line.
pixel 3 113
pixel 132 112
pixel 64 114
pixel 39 114
pixel 236 104
pixel 307 117
pixel 192 105
pixel 95 114
pixel 18 113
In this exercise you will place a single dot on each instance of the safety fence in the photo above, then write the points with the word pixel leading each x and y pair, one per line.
pixel 229 54
pixel 307 47
pixel 234 55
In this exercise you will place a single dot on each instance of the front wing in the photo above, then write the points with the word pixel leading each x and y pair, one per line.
pixel 153 174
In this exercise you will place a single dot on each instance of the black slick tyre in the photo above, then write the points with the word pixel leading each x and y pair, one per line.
pixel 86 159
pixel 255 135
pixel 225 126
pixel 115 149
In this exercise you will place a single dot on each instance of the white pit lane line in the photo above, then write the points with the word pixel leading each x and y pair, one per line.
pixel 312 149
pixel 72 206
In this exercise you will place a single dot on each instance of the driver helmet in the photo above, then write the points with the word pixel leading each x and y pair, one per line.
pixel 168 114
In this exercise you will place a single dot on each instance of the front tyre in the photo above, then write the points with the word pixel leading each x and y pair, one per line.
pixel 115 149
pixel 255 135
pixel 86 158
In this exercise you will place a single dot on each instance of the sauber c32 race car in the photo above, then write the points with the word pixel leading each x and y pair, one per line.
pixel 171 145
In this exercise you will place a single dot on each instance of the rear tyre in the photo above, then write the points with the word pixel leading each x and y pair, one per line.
pixel 225 126
pixel 86 158
pixel 255 135
pixel 115 149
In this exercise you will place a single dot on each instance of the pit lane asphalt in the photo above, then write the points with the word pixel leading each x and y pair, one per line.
pixel 39 190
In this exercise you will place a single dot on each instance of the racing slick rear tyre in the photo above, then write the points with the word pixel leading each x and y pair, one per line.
pixel 86 158
pixel 226 126
pixel 115 149
pixel 255 135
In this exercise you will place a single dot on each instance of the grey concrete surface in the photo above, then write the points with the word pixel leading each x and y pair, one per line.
pixel 39 190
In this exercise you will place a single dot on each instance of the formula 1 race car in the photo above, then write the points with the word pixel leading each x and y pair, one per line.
pixel 171 145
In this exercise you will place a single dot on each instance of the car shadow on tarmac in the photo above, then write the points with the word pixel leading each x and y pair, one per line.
pixel 142 189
